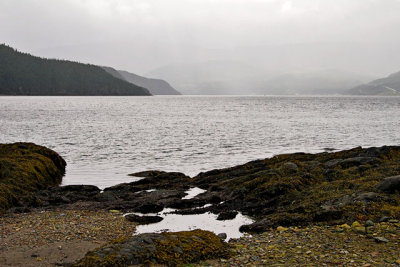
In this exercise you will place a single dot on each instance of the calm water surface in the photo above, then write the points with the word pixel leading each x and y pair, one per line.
pixel 105 138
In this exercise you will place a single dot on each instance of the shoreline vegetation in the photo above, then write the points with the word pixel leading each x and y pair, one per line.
pixel 336 208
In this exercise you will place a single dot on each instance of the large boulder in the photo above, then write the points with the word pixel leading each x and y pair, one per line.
pixel 27 168
pixel 172 249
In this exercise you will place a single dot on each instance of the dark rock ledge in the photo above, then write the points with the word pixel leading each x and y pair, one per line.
pixel 296 189
pixel 291 189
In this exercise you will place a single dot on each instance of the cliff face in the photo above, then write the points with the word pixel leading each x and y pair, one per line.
pixel 24 74
pixel 385 86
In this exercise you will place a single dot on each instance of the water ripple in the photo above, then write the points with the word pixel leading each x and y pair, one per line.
pixel 105 138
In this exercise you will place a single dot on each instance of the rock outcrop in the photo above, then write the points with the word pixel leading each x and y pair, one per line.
pixel 172 249
pixel 27 168
pixel 286 190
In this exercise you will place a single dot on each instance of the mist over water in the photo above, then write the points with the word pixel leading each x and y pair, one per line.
pixel 105 138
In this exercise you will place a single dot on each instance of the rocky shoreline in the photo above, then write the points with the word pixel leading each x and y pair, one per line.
pixel 291 190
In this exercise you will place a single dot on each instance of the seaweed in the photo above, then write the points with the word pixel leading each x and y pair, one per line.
pixel 26 168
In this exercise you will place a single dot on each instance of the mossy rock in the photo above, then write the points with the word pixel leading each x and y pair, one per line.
pixel 299 188
pixel 26 168
pixel 169 248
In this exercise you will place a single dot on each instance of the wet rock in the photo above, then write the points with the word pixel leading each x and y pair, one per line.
pixel 339 202
pixel 106 196
pixel 380 239
pixel 324 187
pixel 143 219
pixel 384 219
pixel 172 249
pixel 360 229
pixel 281 229
pixel 256 227
pixel 328 215
pixel 369 223
pixel 147 174
pixel 62 200
pixel 357 161
pixel 215 199
pixel 332 163
pixel 20 210
pixel 164 195
pixel 331 174
pixel 227 215
pixel 290 167
pixel 76 192
pixel 149 208
pixel 223 236
pixel 68 194
pixel 390 184
pixel 26 168
pixel 153 180
pixel 193 211
pixel 187 203
pixel 121 187
pixel 88 189
pixel 367 197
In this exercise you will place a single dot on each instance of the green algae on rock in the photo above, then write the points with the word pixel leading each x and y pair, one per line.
pixel 26 168
pixel 296 189
pixel 170 248
pixel 301 189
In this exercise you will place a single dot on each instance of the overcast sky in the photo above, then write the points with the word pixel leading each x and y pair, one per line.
pixel 141 35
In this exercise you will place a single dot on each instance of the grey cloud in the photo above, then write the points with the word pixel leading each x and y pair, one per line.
pixel 140 35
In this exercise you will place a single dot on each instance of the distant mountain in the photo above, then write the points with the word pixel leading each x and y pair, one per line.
pixel 210 77
pixel 385 86
pixel 239 78
pixel 310 83
pixel 115 73
pixel 24 74
pixel 155 86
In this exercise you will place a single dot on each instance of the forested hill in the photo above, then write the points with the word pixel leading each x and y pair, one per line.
pixel 24 74
pixel 155 86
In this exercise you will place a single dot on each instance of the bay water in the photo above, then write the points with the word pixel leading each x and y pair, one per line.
pixel 105 138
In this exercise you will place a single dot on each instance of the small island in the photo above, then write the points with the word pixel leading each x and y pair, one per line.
pixel 338 208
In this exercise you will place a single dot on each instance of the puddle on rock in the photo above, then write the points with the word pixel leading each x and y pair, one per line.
pixel 193 192
pixel 207 221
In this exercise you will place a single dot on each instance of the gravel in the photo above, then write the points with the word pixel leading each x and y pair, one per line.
pixel 57 236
